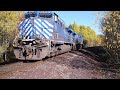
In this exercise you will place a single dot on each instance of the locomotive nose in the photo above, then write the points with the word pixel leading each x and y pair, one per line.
pixel 26 29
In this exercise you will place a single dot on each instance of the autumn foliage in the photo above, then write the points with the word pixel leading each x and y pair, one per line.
pixel 110 26
pixel 89 35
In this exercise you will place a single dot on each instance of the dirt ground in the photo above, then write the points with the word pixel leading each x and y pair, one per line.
pixel 71 65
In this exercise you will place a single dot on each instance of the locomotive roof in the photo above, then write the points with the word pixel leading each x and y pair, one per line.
pixel 47 14
pixel 41 12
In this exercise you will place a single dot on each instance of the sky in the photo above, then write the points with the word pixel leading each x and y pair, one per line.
pixel 86 18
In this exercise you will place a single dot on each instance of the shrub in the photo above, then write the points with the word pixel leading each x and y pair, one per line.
pixel 3 49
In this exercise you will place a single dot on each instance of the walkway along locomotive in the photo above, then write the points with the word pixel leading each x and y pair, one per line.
pixel 43 34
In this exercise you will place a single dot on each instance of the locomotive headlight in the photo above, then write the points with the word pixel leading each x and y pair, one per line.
pixel 24 42
pixel 34 42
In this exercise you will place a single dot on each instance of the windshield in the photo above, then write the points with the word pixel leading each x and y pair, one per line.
pixel 30 14
pixel 45 15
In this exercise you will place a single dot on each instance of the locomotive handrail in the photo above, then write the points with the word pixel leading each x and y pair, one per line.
pixel 60 19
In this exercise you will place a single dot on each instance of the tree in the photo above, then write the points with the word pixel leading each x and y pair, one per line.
pixel 110 26
pixel 9 21
pixel 100 40
pixel 75 27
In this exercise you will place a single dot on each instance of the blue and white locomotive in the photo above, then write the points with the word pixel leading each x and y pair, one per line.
pixel 43 34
